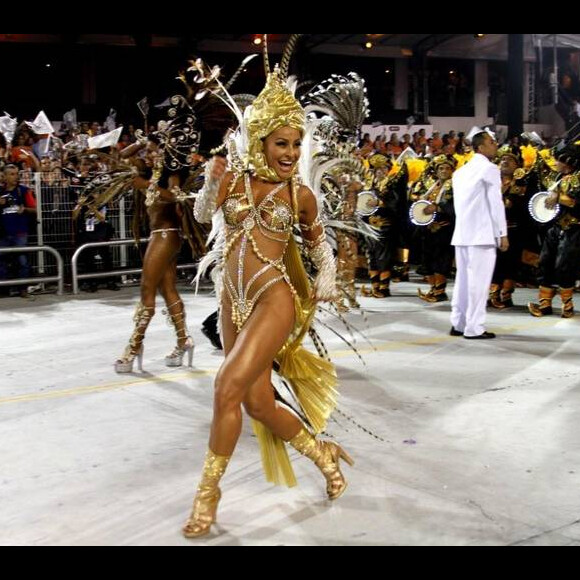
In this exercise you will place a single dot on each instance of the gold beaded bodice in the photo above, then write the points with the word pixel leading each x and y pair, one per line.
pixel 273 216
pixel 257 238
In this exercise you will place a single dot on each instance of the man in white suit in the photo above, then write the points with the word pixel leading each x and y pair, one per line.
pixel 481 228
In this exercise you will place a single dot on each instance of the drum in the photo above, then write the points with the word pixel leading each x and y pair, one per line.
pixel 539 211
pixel 418 215
pixel 367 204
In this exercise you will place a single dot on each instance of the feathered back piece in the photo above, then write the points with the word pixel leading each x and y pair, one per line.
pixel 196 122
pixel 343 99
pixel 107 187
pixel 336 110
pixel 179 137
pixel 286 56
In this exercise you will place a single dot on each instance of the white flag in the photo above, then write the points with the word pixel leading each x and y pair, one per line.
pixel 165 104
pixel 107 140
pixel 143 105
pixel 407 154
pixel 42 147
pixel 111 122
pixel 41 125
pixel 79 144
pixel 8 127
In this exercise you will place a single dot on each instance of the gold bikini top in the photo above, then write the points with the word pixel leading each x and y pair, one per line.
pixel 273 216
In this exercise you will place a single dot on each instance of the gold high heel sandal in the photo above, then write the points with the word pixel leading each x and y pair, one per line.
pixel 330 467
pixel 204 514
pixel 208 497
pixel 326 455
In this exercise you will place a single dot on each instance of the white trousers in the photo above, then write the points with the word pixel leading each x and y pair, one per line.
pixel 475 267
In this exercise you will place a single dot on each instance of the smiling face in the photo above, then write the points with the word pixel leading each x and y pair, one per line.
pixel 282 149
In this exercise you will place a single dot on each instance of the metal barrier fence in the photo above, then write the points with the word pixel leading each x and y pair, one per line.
pixel 45 279
pixel 57 197
pixel 76 277
pixel 55 232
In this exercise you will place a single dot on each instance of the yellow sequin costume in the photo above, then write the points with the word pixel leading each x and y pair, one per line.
pixel 261 252
pixel 252 231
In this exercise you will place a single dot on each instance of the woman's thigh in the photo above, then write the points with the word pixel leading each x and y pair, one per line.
pixel 251 353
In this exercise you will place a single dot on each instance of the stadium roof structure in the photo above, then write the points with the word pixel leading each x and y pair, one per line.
pixel 470 46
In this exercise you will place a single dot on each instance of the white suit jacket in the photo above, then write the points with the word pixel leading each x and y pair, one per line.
pixel 479 207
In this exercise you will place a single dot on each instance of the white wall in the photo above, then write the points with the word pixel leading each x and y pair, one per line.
pixel 458 124
pixel 400 130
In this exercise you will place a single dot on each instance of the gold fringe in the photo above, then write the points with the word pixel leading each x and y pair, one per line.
pixel 297 273
pixel 275 460
pixel 313 379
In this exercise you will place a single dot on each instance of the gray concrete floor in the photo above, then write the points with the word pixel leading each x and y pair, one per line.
pixel 456 442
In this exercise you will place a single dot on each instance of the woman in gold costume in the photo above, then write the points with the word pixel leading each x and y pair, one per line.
pixel 160 263
pixel 165 178
pixel 268 304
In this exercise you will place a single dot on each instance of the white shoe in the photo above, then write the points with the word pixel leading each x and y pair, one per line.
pixel 125 365
pixel 175 359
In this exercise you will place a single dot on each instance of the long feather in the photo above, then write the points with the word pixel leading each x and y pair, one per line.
pixel 240 70
pixel 341 98
pixel 266 56
pixel 287 56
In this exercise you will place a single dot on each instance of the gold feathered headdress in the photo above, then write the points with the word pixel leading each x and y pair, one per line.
pixel 275 107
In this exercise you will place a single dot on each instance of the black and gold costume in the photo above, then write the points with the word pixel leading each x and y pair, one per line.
pixel 516 198
pixel 438 253
pixel 561 250
pixel 383 252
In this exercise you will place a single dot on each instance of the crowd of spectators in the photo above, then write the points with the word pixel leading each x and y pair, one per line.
pixel 58 168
